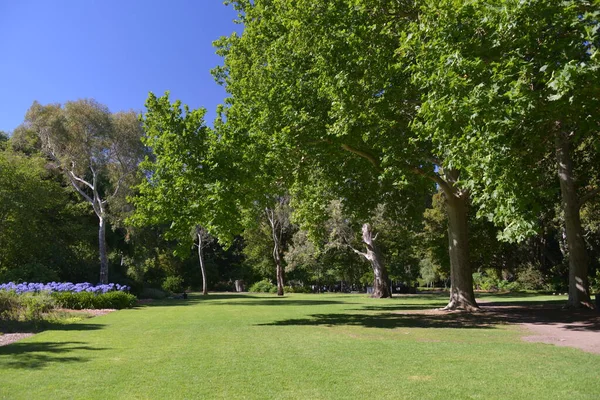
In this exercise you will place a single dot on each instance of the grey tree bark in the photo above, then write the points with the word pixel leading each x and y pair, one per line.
pixel 381 288
pixel 462 296
pixel 579 295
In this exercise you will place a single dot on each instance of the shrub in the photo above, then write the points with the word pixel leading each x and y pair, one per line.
pixel 24 307
pixel 485 280
pixel 152 293
pixel 35 305
pixel 263 286
pixel 510 286
pixel 173 284
pixel 88 300
pixel 9 305
pixel 118 300
pixel 273 289
pixel 530 278
pixel 297 289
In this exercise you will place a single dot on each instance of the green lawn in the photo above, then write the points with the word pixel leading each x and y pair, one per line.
pixel 297 347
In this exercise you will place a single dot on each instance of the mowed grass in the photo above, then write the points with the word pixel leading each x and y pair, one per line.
pixel 296 347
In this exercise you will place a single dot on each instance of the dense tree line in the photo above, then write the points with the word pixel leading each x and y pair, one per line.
pixel 364 142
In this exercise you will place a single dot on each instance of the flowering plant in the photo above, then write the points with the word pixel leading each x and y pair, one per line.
pixel 26 287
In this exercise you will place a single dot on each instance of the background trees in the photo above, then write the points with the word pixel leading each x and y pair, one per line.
pixel 97 151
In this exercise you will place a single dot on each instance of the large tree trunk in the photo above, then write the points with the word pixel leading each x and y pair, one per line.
pixel 462 296
pixel 201 259
pixel 381 288
pixel 579 295
pixel 102 248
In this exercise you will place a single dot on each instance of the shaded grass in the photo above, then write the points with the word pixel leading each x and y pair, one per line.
pixel 297 347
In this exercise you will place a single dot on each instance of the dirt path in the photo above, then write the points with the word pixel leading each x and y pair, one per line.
pixel 550 324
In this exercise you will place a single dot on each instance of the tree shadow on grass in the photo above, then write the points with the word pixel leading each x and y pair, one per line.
pixel 11 326
pixel 400 307
pixel 39 355
pixel 491 317
pixel 238 300
pixel 388 321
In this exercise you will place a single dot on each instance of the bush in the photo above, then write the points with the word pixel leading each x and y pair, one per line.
pixel 10 305
pixel 485 281
pixel 273 289
pixel 152 293
pixel 510 286
pixel 530 278
pixel 87 300
pixel 173 284
pixel 263 286
pixel 297 289
pixel 35 305
pixel 24 307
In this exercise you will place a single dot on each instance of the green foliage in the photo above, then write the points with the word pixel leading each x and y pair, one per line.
pixel 173 284
pixel 297 289
pixel 31 272
pixel 10 305
pixel 264 286
pixel 486 280
pixel 86 300
pixel 530 278
pixel 26 306
pixel 595 283
pixel 427 270
pixel 184 179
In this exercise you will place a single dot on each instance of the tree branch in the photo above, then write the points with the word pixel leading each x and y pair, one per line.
pixel 78 179
pixel 368 156
pixel 74 181
pixel 446 187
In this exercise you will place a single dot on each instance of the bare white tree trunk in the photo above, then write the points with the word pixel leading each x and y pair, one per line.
pixel 201 243
pixel 102 250
pixel 276 232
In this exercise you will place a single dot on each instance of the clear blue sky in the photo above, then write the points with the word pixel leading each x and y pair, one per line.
pixel 114 51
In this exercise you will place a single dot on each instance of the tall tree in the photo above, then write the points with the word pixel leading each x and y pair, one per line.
pixel 505 74
pixel 185 177
pixel 97 151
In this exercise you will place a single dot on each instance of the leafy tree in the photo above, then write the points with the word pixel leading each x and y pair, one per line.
pixel 325 85
pixel 43 232
pixel 504 75
pixel 97 151
pixel 185 178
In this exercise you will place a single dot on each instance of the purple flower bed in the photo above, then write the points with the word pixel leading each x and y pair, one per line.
pixel 26 287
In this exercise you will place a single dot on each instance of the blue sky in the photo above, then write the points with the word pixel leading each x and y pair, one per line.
pixel 114 51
